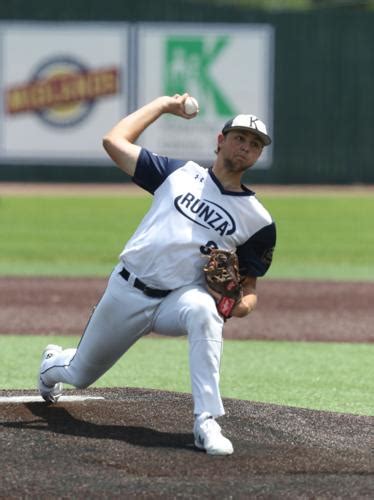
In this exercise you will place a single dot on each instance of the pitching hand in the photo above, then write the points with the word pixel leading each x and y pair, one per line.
pixel 175 105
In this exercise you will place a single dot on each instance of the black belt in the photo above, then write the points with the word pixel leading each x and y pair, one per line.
pixel 151 292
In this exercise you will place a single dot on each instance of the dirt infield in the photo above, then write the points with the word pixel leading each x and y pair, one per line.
pixel 287 310
pixel 138 444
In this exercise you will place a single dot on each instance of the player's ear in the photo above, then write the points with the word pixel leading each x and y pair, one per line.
pixel 220 139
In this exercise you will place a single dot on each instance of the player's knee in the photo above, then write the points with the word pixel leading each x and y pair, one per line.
pixel 203 311
pixel 204 320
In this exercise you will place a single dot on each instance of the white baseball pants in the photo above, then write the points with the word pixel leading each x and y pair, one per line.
pixel 123 315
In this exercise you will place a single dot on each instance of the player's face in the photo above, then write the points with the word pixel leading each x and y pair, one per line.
pixel 240 149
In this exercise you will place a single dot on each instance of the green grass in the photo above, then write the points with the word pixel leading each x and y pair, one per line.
pixel 324 376
pixel 66 236
pixel 320 237
pixel 326 237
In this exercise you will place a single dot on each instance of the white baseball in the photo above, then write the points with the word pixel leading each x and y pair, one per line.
pixel 191 106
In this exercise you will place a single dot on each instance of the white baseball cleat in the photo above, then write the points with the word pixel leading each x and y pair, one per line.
pixel 208 437
pixel 50 394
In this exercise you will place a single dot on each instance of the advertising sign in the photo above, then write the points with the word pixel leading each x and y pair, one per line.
pixel 228 68
pixel 63 87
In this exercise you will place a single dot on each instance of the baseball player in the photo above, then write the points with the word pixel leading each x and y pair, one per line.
pixel 158 284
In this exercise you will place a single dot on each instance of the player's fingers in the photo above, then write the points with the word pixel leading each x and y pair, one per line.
pixel 181 97
pixel 178 106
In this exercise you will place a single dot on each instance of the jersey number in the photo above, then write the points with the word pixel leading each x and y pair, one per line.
pixel 204 249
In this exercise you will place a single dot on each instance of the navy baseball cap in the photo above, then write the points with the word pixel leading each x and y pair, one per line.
pixel 248 122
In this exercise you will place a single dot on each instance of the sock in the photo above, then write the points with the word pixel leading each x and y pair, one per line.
pixel 202 417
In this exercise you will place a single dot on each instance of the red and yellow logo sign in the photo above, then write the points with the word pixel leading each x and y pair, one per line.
pixel 62 91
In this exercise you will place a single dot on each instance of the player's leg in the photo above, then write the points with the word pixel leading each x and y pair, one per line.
pixel 122 316
pixel 192 311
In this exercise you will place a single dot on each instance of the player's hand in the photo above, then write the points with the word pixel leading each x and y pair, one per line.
pixel 248 300
pixel 175 105
pixel 246 303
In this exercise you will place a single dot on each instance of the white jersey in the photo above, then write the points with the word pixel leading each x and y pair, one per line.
pixel 192 210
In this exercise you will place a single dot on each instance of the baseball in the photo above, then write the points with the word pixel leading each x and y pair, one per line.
pixel 191 106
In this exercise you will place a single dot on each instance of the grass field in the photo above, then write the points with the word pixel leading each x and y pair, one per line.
pixel 321 237
pixel 333 376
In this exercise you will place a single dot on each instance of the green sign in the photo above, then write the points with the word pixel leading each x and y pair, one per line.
pixel 188 69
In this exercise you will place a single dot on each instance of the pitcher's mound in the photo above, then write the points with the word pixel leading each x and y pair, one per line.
pixel 139 443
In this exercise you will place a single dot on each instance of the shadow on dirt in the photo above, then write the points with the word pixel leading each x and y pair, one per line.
pixel 60 421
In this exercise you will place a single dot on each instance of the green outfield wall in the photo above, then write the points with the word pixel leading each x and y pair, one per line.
pixel 323 85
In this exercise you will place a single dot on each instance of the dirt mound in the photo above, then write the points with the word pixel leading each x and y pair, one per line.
pixel 138 443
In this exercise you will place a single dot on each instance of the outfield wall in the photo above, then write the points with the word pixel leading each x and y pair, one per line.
pixel 320 104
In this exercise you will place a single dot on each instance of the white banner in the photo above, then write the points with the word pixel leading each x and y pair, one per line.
pixel 228 68
pixel 64 86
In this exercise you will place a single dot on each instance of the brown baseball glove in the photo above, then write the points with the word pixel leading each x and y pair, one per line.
pixel 222 276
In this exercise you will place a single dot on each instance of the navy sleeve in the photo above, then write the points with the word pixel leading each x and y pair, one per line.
pixel 151 170
pixel 256 254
